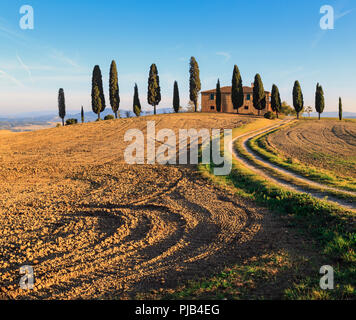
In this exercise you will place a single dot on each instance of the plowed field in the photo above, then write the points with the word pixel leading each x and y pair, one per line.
pixel 94 227
pixel 324 144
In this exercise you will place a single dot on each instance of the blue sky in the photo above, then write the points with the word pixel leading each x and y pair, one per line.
pixel 280 40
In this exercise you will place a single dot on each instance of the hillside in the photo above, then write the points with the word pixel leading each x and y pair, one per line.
pixel 92 226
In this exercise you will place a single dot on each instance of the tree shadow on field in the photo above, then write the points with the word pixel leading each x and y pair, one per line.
pixel 268 264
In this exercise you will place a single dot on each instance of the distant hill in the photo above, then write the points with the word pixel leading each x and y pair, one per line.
pixel 24 125
pixel 38 120
pixel 30 121
pixel 333 114
pixel 91 116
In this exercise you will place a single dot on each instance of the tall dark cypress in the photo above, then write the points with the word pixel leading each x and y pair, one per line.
pixel 136 102
pixel 340 109
pixel 82 114
pixel 218 97
pixel 298 100
pixel 176 99
pixel 154 90
pixel 194 82
pixel 276 103
pixel 237 93
pixel 114 89
pixel 259 95
pixel 97 93
pixel 319 100
pixel 61 105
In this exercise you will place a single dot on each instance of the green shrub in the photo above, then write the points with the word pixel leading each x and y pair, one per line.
pixel 71 121
pixel 287 110
pixel 270 115
pixel 109 117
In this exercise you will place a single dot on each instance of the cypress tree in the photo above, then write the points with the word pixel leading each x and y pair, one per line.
pixel 96 100
pixel 259 95
pixel 136 102
pixel 237 93
pixel 97 93
pixel 61 105
pixel 218 97
pixel 154 90
pixel 319 100
pixel 82 114
pixel 194 82
pixel 114 89
pixel 340 109
pixel 176 100
pixel 298 100
pixel 276 103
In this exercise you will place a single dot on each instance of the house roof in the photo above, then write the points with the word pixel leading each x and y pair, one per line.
pixel 228 90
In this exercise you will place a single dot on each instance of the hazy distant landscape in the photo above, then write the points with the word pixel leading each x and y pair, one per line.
pixel 37 121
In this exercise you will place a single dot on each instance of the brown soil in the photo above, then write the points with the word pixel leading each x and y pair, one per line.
pixel 93 226
pixel 324 144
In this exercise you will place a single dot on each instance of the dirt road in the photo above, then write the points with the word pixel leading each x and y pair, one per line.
pixel 280 181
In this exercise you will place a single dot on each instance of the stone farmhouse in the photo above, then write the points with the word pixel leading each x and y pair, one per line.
pixel 208 99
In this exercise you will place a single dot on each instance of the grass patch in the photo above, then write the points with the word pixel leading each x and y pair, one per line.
pixel 238 282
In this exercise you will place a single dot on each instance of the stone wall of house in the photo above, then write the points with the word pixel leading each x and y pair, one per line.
pixel 208 103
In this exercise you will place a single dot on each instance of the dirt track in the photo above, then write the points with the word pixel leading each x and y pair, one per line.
pixel 324 144
pixel 282 181
pixel 94 227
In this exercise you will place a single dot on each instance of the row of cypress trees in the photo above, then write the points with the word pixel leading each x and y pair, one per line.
pixel 298 101
pixel 154 93
pixel 259 96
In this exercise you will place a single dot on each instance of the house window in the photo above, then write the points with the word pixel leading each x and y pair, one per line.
pixel 212 96
pixel 212 108
pixel 248 97
pixel 246 107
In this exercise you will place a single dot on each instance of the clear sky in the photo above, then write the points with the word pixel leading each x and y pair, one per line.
pixel 281 40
